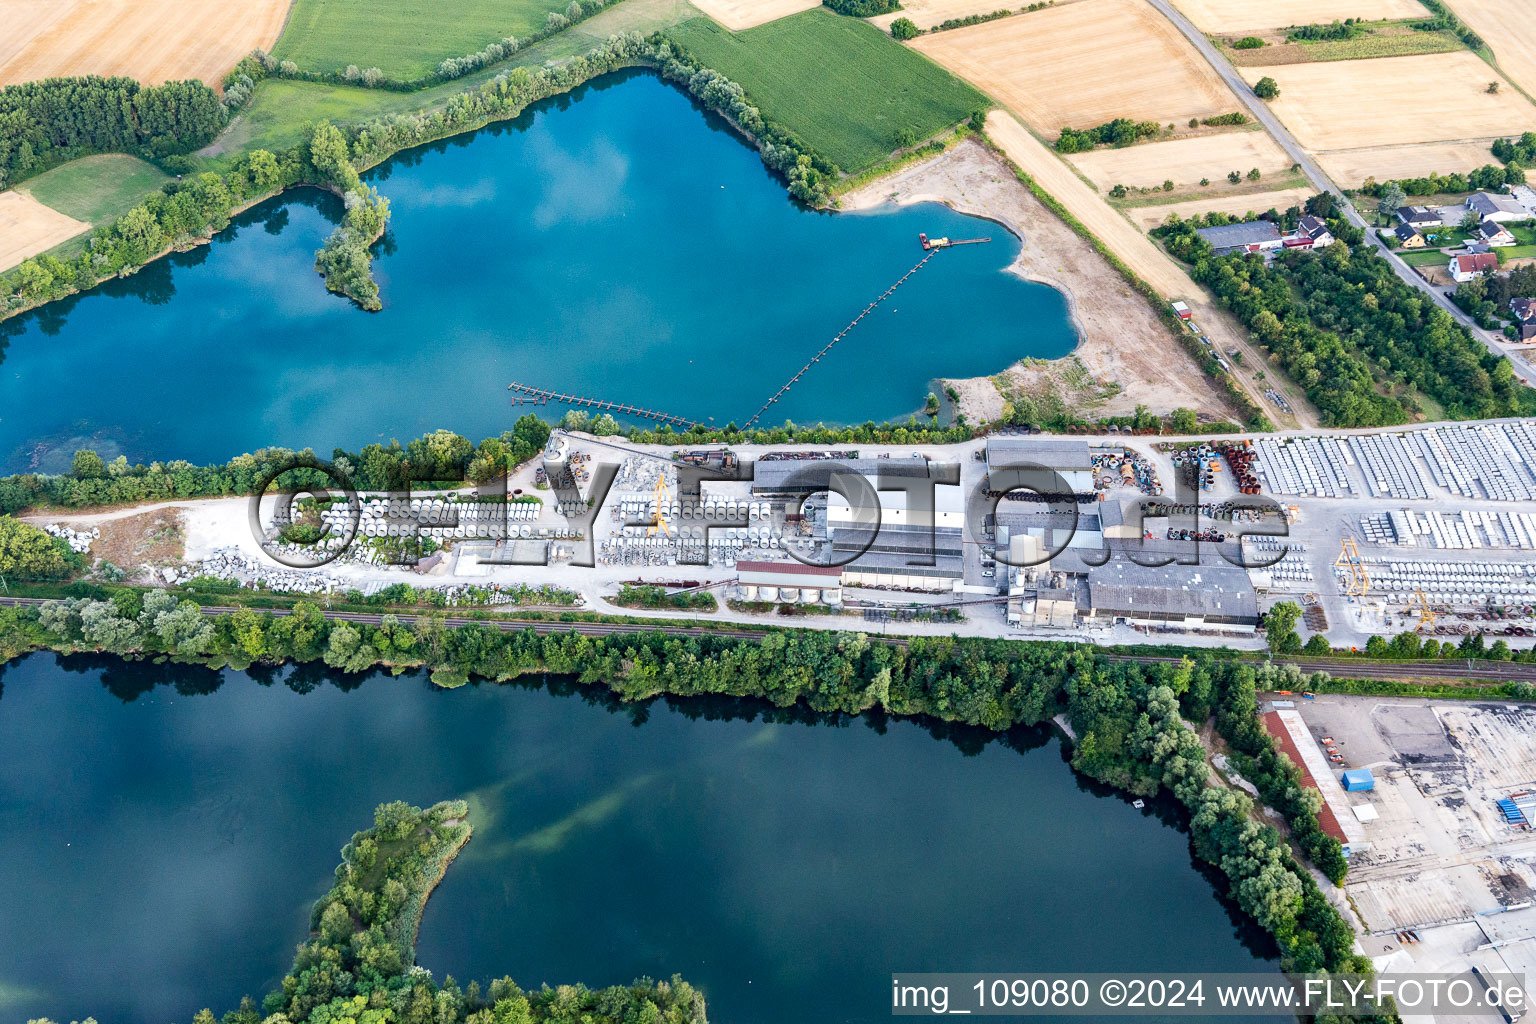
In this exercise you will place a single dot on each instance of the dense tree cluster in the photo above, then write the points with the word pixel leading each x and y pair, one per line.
pixel 1445 21
pixel 1520 151
pixel 1489 177
pixel 1355 336
pixel 1122 131
pixel 345 260
pixel 27 553
pixel 1349 28
pixel 45 123
pixel 863 8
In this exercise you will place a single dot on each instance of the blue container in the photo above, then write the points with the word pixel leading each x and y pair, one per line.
pixel 1356 779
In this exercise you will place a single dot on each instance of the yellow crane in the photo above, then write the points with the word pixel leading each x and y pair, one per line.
pixel 1427 615
pixel 1349 559
pixel 663 499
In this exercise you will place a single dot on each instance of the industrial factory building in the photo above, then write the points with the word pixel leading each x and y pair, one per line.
pixel 911 549
pixel 1214 596
pixel 1070 459
pixel 787 479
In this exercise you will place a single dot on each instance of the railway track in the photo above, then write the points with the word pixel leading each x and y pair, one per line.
pixel 1487 672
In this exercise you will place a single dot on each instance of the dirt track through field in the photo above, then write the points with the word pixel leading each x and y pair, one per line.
pixel 928 13
pixel 739 14
pixel 1509 28
pixel 1232 15
pixel 1350 167
pixel 152 41
pixel 27 227
pixel 1185 161
pixel 1134 249
pixel 1085 63
pixel 1355 104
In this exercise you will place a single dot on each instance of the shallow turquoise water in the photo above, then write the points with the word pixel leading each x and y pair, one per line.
pixel 165 830
pixel 618 243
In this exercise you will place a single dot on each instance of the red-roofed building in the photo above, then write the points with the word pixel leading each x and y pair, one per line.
pixel 1469 264
pixel 1336 817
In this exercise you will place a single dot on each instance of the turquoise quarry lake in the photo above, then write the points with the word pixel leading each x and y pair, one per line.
pixel 165 830
pixel 618 243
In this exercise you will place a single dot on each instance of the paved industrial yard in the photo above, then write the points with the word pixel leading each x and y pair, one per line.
pixel 1443 882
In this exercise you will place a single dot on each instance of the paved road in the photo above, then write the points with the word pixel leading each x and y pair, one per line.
pixel 1523 367
pixel 1484 671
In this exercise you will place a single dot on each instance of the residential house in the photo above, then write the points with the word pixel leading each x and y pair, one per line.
pixel 1494 233
pixel 1497 207
pixel 1408 237
pixel 1468 265
pixel 1313 229
pixel 1525 311
pixel 1420 216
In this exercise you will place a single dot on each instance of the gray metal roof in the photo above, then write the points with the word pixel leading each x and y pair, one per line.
pixel 1229 236
pixel 1055 454
pixel 1217 592
pixel 1486 203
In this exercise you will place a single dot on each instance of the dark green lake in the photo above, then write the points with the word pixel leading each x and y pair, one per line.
pixel 617 243
pixel 164 832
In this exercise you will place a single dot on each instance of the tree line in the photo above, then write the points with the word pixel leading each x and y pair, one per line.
pixel 1122 131
pixel 45 123
pixel 1358 339
pixel 1489 178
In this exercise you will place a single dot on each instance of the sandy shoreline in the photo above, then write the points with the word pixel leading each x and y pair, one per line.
pixel 1124 357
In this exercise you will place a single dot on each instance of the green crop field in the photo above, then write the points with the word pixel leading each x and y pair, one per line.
pixel 96 189
pixel 405 39
pixel 843 86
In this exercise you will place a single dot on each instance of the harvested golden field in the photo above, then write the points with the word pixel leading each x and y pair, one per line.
pixel 1232 15
pixel 1509 27
pixel 151 40
pixel 1354 104
pixel 739 14
pixel 1082 64
pixel 27 227
pixel 1350 167
pixel 1185 161
pixel 928 13
pixel 1149 217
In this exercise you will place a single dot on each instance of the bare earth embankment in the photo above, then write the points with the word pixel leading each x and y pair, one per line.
pixel 1121 339
pixel 150 40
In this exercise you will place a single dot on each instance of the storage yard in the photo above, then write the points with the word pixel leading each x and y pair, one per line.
pixel 1442 859
pixel 151 40
pixel 1066 66
pixel 1436 97
pixel 1218 551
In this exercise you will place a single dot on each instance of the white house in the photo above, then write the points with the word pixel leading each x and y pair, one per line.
pixel 1468 265
pixel 1494 233
pixel 1497 207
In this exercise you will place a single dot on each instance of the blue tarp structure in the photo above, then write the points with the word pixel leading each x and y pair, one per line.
pixel 1356 779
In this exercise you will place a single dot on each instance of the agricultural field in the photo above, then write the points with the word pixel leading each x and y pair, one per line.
pixel 739 14
pixel 151 40
pixel 1149 217
pixel 96 189
pixel 1394 101
pixel 27 227
pixel 405 39
pixel 1395 40
pixel 1184 161
pixel 1226 16
pixel 1070 66
pixel 928 13
pixel 842 85
pixel 1351 167
pixel 1509 29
